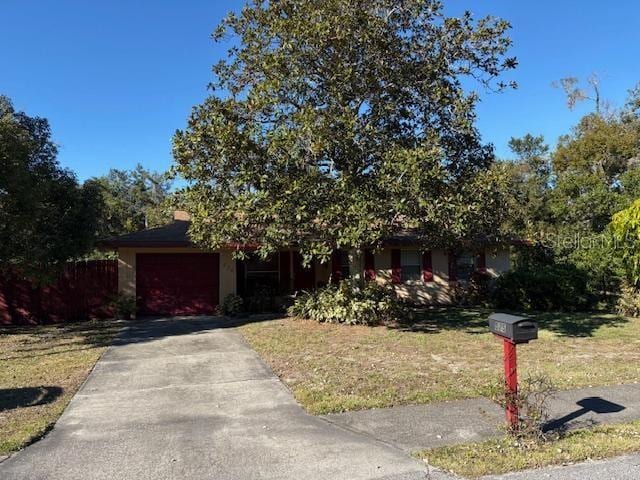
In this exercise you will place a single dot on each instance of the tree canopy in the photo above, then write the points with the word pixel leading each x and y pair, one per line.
pixel 133 200
pixel 46 218
pixel 336 123
pixel 567 197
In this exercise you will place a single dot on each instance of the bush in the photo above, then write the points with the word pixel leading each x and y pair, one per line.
pixel 262 299
pixel 476 292
pixel 346 303
pixel 232 305
pixel 532 400
pixel 124 306
pixel 629 301
pixel 544 288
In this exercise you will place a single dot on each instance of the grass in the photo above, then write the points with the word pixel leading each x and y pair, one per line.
pixel 504 455
pixel 41 368
pixel 445 354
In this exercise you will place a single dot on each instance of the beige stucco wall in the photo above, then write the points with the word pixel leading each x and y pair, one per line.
pixel 498 261
pixel 127 271
pixel 227 274
pixel 127 268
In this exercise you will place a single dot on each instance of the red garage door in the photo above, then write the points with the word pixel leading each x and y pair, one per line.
pixel 177 283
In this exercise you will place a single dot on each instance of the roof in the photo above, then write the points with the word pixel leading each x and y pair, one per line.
pixel 170 235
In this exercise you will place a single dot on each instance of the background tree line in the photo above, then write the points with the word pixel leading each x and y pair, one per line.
pixel 563 200
pixel 47 217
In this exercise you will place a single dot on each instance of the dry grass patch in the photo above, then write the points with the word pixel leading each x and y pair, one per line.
pixel 502 456
pixel 446 354
pixel 41 368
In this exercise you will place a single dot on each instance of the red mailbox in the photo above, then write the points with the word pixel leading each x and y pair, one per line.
pixel 512 330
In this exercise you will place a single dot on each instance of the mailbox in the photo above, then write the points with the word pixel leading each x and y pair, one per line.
pixel 512 328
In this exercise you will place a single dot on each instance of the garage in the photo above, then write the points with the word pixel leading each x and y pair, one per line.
pixel 177 283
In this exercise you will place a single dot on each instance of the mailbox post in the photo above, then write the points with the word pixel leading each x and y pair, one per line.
pixel 512 330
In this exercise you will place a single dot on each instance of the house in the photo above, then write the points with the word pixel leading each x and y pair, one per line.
pixel 170 276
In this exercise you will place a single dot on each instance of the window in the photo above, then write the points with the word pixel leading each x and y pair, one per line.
pixel 262 274
pixel 465 265
pixel 411 266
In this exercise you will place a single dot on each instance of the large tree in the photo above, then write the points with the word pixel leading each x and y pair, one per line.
pixel 133 200
pixel 530 179
pixel 337 122
pixel 46 218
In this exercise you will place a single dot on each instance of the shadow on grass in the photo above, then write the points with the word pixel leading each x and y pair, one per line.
pixel 578 324
pixel 43 340
pixel 21 397
pixel 475 321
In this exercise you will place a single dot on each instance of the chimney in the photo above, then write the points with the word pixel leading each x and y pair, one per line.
pixel 181 216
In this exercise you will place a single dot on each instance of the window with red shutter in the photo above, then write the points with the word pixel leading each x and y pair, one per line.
pixel 427 267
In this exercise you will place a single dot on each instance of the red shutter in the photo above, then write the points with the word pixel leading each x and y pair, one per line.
pixel 396 266
pixel 453 273
pixel 336 272
pixel 369 265
pixel 481 263
pixel 427 267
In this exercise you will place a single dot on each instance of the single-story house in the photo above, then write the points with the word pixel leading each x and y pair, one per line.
pixel 170 276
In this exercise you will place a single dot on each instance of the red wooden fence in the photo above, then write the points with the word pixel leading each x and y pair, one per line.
pixel 81 291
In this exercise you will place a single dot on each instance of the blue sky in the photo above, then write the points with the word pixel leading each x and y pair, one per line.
pixel 117 78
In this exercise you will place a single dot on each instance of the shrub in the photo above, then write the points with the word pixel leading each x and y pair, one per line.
pixel 347 303
pixel 629 301
pixel 262 299
pixel 475 292
pixel 124 306
pixel 532 400
pixel 545 288
pixel 232 305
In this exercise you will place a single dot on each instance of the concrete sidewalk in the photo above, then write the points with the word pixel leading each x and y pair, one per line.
pixel 188 399
pixel 416 427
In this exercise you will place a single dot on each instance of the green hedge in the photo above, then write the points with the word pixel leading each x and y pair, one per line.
pixel 544 288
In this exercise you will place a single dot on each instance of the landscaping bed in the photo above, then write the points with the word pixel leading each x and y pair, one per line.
pixel 41 368
pixel 444 354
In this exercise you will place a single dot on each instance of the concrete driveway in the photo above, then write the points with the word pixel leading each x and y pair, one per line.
pixel 187 398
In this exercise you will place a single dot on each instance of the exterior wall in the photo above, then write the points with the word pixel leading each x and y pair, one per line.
pixel 127 268
pixel 227 274
pixel 436 292
pixel 498 262
pixel 127 271
pixel 439 290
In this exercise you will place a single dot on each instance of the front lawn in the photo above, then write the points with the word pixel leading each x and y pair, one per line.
pixel 41 368
pixel 446 354
pixel 504 455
